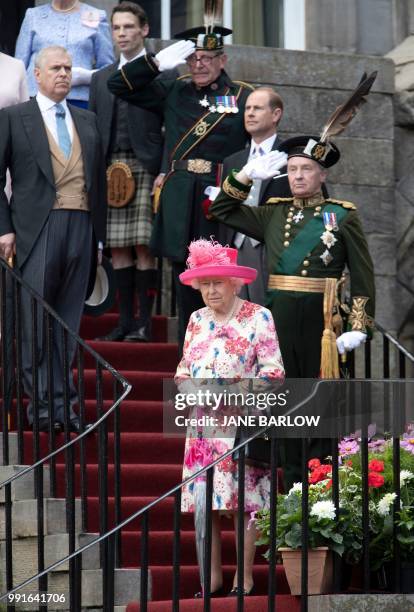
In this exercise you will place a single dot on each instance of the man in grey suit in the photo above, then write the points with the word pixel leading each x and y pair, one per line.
pixel 56 217
pixel 132 136
pixel 263 112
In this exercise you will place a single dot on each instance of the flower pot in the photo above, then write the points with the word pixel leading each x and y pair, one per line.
pixel 319 570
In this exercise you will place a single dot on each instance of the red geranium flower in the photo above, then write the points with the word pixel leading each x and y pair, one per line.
pixel 320 473
pixel 375 465
pixel 349 463
pixel 313 463
pixel 375 480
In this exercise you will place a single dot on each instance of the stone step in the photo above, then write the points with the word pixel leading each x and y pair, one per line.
pixel 24 517
pixel 23 487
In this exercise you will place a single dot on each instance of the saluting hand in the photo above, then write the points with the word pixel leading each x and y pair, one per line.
pixel 174 55
pixel 264 167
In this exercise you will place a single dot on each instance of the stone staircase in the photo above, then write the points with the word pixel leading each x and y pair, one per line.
pixel 56 546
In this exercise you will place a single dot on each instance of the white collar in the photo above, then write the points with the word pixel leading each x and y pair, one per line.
pixel 266 145
pixel 123 60
pixel 45 103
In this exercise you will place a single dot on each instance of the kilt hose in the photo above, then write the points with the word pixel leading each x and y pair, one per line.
pixel 132 224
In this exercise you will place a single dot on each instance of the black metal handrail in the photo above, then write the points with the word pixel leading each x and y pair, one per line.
pixel 109 535
pixel 53 329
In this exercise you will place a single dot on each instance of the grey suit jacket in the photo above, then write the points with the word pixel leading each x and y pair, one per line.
pixel 144 126
pixel 24 149
pixel 270 188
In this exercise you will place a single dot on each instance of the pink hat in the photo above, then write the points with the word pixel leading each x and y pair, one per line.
pixel 209 258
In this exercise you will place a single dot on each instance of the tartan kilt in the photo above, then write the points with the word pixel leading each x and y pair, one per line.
pixel 132 224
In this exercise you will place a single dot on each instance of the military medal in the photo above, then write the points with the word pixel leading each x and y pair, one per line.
pixel 328 239
pixel 226 104
pixel 329 221
pixel 326 257
pixel 204 102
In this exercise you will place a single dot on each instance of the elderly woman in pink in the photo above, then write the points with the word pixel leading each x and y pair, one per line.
pixel 231 339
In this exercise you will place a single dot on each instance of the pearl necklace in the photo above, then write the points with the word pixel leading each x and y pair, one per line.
pixel 66 10
pixel 228 319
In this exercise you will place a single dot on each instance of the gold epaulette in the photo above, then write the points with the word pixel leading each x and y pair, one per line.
pixel 244 84
pixel 278 200
pixel 343 203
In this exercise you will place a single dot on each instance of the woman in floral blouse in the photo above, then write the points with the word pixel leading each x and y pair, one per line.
pixel 228 339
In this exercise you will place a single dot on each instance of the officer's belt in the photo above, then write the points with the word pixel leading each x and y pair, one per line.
pixel 328 286
pixel 297 283
pixel 198 166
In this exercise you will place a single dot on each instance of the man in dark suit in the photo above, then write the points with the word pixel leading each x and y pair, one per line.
pixel 262 114
pixel 130 135
pixel 56 215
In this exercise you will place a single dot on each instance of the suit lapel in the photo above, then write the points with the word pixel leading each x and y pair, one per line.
pixel 36 134
pixel 87 141
pixel 266 183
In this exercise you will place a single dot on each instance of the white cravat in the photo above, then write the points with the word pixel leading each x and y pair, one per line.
pixel 253 197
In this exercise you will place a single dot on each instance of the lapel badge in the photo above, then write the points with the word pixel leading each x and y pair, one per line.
pixel 326 257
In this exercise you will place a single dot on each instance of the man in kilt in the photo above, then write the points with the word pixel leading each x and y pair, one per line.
pixel 133 146
pixel 203 115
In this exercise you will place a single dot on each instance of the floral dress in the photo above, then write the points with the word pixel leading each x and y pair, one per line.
pixel 245 347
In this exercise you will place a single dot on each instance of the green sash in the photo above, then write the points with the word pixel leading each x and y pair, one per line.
pixel 306 241
pixel 201 128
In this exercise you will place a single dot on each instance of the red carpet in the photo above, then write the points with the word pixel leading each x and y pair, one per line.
pixel 151 464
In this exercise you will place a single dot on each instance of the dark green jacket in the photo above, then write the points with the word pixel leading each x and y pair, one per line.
pixel 269 223
pixel 180 218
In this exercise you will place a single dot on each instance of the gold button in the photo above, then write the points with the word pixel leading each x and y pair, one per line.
pixel 289 217
pixel 318 208
pixel 304 272
pixel 306 263
pixel 309 254
pixel 292 208
pixel 316 214
pixel 287 234
pixel 287 226
pixel 286 243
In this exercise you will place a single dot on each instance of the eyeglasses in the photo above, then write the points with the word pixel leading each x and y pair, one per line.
pixel 205 60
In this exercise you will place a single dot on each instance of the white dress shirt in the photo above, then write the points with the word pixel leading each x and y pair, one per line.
pixel 266 146
pixel 48 110
pixel 123 60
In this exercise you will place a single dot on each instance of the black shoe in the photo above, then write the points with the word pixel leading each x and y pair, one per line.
pixel 235 591
pixel 116 335
pixel 74 426
pixel 220 592
pixel 44 426
pixel 138 335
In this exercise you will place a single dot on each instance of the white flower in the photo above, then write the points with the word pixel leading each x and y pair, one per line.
pixel 404 476
pixel 323 509
pixel 296 488
pixel 385 504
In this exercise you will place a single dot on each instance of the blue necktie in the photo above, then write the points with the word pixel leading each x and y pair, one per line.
pixel 62 131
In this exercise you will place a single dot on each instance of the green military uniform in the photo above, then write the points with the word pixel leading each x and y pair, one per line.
pixel 202 127
pixel 192 133
pixel 292 231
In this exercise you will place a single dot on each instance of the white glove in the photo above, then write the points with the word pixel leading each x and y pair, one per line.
pixel 266 166
pixel 212 192
pixel 81 76
pixel 174 55
pixel 350 340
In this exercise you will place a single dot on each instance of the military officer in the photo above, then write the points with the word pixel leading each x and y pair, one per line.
pixel 203 116
pixel 309 241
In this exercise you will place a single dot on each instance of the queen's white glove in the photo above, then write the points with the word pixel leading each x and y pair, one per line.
pixel 350 340
pixel 174 55
pixel 266 166
pixel 81 76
